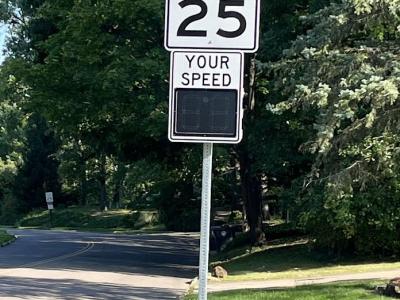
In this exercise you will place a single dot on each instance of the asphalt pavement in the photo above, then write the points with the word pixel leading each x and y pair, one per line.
pixel 78 265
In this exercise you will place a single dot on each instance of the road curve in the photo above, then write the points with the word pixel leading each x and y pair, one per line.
pixel 76 265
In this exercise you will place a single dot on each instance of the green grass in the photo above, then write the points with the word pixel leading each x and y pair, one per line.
pixel 93 220
pixel 295 260
pixel 339 291
pixel 5 237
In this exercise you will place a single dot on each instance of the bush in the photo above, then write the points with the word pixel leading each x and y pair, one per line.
pixel 9 210
pixel 179 207
pixel 5 237
pixel 91 219
pixel 240 240
pixel 185 219
pixel 283 230
pixel 364 223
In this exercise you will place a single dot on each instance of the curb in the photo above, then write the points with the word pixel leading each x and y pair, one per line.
pixel 190 289
pixel 194 285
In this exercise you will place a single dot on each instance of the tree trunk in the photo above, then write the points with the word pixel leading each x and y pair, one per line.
pixel 117 196
pixel 102 183
pixel 120 177
pixel 82 192
pixel 83 184
pixel 250 179
pixel 252 197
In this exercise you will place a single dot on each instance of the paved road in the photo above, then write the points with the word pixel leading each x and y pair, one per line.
pixel 75 265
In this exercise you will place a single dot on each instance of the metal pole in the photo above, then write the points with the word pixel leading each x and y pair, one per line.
pixel 205 219
pixel 51 218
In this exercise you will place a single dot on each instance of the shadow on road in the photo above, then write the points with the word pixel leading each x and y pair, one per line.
pixel 42 265
pixel 156 255
pixel 28 288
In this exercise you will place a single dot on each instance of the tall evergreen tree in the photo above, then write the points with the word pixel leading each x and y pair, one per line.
pixel 345 71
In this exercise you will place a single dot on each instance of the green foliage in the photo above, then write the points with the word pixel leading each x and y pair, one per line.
pixel 179 197
pixel 143 182
pixel 84 114
pixel 10 210
pixel 12 138
pixel 345 73
pixel 283 230
pixel 5 237
pixel 240 241
pixel 98 77
pixel 91 219
pixel 102 54
pixel 97 72
pixel 39 171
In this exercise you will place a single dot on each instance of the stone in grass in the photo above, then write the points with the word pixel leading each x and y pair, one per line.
pixel 219 272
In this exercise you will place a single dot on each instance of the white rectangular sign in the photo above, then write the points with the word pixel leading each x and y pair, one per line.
pixel 49 197
pixel 206 70
pixel 50 206
pixel 206 96
pixel 212 24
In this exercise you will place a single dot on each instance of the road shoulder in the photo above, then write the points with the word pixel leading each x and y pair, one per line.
pixel 219 286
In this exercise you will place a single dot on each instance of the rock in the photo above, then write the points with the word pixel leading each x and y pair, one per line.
pixel 219 272
pixel 395 281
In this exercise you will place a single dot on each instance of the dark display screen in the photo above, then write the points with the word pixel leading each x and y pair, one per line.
pixel 206 112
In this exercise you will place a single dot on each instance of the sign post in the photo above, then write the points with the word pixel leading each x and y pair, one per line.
pixel 207 40
pixel 205 219
pixel 50 206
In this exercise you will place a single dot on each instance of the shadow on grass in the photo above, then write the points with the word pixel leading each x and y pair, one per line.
pixel 292 258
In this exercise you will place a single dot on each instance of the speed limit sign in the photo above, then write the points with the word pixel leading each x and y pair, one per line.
pixel 212 24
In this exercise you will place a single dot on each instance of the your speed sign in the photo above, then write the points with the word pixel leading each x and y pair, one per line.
pixel 212 24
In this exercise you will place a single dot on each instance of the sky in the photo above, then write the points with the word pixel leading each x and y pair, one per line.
pixel 2 41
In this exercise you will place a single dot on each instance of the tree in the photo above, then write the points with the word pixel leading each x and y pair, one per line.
pixel 39 173
pixel 12 124
pixel 268 156
pixel 345 70
pixel 95 74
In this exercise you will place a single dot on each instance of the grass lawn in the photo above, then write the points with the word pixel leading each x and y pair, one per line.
pixel 120 220
pixel 5 237
pixel 296 260
pixel 339 291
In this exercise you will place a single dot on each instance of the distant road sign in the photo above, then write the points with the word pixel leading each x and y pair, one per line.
pixel 206 97
pixel 212 24
pixel 49 197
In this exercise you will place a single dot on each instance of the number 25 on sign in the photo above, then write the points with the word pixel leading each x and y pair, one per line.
pixel 212 24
